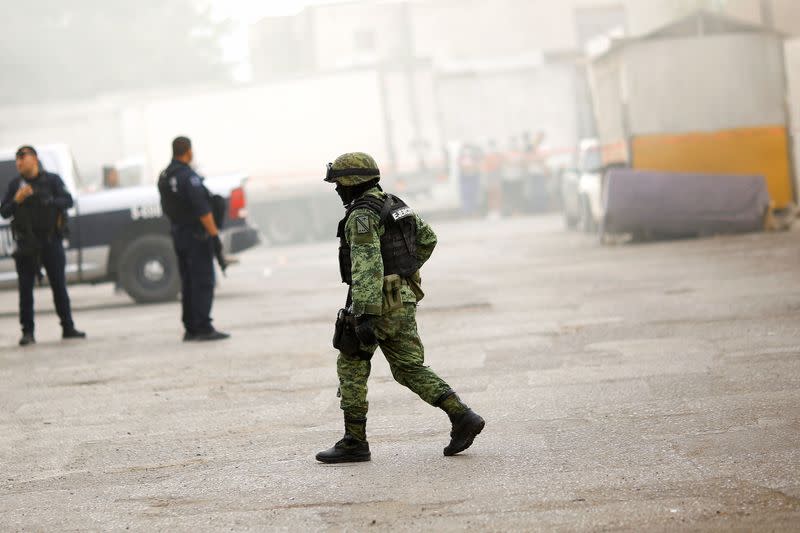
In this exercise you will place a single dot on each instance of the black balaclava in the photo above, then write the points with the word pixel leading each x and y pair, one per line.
pixel 348 194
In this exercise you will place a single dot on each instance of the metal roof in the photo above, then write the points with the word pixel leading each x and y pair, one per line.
pixel 698 24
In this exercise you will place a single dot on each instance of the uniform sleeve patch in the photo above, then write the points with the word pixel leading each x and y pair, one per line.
pixel 362 224
pixel 195 181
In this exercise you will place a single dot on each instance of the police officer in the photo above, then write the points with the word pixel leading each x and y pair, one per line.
pixel 382 246
pixel 38 201
pixel 187 204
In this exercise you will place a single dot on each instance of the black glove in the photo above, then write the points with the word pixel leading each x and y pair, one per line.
pixel 365 330
pixel 217 242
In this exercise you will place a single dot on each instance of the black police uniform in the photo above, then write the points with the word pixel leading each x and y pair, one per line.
pixel 184 200
pixel 38 232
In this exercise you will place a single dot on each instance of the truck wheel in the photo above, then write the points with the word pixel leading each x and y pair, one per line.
pixel 148 269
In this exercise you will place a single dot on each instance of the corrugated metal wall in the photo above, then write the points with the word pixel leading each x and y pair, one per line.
pixel 705 83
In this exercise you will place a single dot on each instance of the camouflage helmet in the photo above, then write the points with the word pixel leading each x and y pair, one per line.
pixel 352 169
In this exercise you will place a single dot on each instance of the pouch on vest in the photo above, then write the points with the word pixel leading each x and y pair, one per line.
pixel 391 293
pixel 415 284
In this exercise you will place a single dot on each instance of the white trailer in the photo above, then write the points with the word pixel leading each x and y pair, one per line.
pixel 705 94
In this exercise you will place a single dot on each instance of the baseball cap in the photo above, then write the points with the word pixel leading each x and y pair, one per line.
pixel 26 148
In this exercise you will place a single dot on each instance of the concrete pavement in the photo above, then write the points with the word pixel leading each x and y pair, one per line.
pixel 637 387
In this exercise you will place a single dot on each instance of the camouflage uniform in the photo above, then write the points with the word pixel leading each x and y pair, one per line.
pixel 393 323
pixel 396 330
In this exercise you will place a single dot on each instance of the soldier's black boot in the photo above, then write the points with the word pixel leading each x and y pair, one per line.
pixel 466 427
pixel 347 450
pixel 353 448
pixel 467 424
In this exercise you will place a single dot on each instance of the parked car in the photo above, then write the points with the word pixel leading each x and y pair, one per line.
pixel 582 187
pixel 121 234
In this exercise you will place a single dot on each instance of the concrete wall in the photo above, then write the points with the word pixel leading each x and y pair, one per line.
pixel 494 105
pixel 93 129
pixel 340 30
pixel 438 29
pixel 473 105
pixel 487 28
pixel 704 83
pixel 280 133
pixel 458 29
pixel 415 136
pixel 281 46
pixel 285 132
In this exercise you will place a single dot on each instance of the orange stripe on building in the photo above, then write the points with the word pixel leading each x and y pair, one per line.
pixel 746 151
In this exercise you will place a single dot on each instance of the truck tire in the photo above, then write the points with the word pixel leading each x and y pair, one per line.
pixel 148 269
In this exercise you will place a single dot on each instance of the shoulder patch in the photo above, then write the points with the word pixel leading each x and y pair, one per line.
pixel 195 181
pixel 362 224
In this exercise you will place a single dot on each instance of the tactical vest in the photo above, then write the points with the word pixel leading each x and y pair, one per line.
pixel 399 240
pixel 174 206
pixel 36 220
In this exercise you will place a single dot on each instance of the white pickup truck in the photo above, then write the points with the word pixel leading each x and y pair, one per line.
pixel 121 235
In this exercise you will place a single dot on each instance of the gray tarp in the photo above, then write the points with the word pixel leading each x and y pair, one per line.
pixel 664 204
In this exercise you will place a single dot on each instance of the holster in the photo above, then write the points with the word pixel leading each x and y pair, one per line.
pixel 344 334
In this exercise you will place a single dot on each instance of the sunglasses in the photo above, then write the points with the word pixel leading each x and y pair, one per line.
pixel 21 155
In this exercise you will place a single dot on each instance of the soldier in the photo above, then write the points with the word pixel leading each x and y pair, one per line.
pixel 383 244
